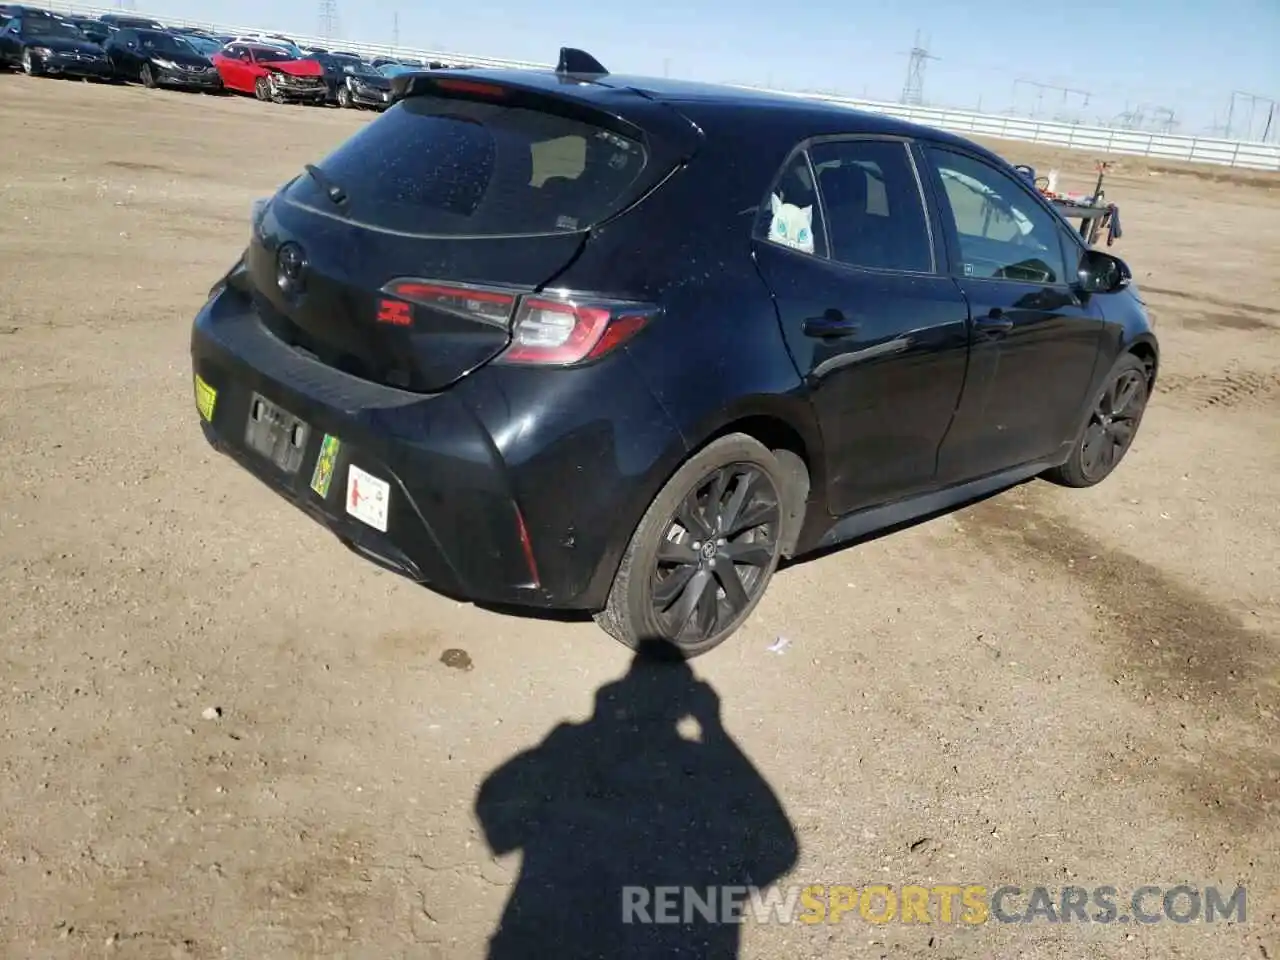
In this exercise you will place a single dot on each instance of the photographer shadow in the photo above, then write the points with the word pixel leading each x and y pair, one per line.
pixel 649 792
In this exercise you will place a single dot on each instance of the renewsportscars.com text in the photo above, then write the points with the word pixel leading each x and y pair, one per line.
pixel 939 903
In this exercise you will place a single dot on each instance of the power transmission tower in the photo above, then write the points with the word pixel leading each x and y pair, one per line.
pixel 395 29
pixel 328 18
pixel 918 57
pixel 1254 100
pixel 1164 119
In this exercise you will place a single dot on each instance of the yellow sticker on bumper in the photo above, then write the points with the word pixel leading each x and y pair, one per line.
pixel 206 399
pixel 322 476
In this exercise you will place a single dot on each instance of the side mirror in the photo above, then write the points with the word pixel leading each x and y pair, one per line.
pixel 1102 273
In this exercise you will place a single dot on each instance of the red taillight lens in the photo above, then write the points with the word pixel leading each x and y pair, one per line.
pixel 558 332
pixel 552 330
pixel 485 304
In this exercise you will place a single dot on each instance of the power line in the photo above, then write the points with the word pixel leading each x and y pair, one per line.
pixel 1040 89
pixel 328 18
pixel 918 57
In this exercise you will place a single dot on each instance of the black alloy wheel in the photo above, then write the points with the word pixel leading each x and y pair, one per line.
pixel 1113 423
pixel 262 89
pixel 704 553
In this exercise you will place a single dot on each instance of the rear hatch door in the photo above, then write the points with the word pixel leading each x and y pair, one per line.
pixel 398 258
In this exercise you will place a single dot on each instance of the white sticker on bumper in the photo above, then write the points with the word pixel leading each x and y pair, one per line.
pixel 368 498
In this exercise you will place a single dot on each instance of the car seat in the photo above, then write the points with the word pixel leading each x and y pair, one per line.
pixel 856 236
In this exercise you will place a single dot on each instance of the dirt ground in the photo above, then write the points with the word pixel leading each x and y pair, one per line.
pixel 1049 688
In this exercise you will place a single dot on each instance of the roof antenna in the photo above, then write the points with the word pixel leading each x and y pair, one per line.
pixel 573 60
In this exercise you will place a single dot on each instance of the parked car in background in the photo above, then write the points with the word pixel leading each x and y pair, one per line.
pixel 40 44
pixel 332 64
pixel 362 86
pixel 272 40
pixel 270 73
pixel 158 59
pixel 94 30
pixel 119 21
pixel 203 45
pixel 394 68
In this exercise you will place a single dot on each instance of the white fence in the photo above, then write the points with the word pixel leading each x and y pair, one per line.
pixel 1231 153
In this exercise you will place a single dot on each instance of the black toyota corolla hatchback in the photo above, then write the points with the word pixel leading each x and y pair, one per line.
pixel 577 341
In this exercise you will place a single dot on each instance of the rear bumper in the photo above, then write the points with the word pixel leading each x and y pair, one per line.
pixel 465 517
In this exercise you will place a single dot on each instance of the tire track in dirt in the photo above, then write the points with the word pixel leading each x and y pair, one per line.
pixel 1231 388
pixel 1211 675
pixel 1202 298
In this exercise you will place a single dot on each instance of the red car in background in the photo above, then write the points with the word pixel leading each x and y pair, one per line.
pixel 270 73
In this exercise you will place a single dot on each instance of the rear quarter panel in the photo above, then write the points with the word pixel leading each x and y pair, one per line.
pixel 716 354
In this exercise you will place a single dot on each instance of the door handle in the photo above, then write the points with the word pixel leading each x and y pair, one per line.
pixel 832 323
pixel 995 323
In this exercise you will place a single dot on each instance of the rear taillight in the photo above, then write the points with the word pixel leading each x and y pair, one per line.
pixel 551 329
pixel 558 331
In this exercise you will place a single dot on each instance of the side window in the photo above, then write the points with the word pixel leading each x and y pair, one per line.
pixel 790 215
pixel 875 214
pixel 1003 233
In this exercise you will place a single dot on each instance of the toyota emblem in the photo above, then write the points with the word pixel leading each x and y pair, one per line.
pixel 290 265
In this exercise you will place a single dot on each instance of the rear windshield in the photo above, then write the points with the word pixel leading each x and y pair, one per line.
pixel 433 166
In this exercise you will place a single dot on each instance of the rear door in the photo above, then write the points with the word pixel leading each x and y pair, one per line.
pixel 1035 339
pixel 410 243
pixel 879 333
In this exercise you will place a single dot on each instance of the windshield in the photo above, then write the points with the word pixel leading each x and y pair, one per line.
pixel 394 69
pixel 204 45
pixel 53 29
pixel 263 55
pixel 164 43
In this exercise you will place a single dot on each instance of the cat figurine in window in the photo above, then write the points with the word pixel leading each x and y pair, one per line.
pixel 791 226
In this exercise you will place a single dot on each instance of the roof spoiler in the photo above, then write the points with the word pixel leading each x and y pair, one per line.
pixel 573 60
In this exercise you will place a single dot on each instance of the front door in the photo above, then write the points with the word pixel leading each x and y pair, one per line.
pixel 1035 339
pixel 878 332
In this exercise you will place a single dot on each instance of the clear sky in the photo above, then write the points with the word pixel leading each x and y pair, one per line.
pixel 1186 55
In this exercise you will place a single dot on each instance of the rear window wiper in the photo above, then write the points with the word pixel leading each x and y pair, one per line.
pixel 335 193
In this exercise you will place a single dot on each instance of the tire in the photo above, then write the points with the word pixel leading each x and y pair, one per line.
pixel 262 89
pixel 30 65
pixel 147 76
pixel 631 614
pixel 1115 414
pixel 345 100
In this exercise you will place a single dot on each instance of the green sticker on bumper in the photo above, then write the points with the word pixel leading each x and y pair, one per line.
pixel 322 476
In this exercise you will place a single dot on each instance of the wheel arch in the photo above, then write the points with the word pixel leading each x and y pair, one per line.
pixel 786 426
pixel 1144 347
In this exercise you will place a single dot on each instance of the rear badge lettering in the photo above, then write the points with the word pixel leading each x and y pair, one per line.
pixel 322 475
pixel 397 313
pixel 206 399
pixel 368 498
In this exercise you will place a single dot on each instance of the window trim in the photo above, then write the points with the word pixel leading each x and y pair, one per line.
pixel 945 215
pixel 804 146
